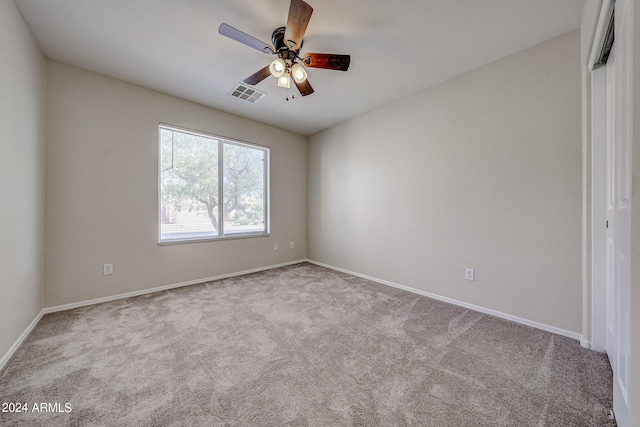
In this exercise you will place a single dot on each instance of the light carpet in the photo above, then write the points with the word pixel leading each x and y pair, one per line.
pixel 296 346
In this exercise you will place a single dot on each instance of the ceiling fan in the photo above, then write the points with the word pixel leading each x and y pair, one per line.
pixel 287 42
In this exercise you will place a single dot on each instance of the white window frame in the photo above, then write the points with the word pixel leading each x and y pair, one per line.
pixel 221 232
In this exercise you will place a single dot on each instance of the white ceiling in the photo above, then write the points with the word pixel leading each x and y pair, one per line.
pixel 397 47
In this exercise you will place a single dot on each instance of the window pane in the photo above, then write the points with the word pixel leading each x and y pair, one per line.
pixel 188 186
pixel 244 188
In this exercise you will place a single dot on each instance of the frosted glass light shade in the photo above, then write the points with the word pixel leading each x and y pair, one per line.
pixel 284 81
pixel 277 67
pixel 298 73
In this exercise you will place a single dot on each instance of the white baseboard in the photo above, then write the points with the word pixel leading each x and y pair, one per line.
pixel 64 307
pixel 586 343
pixel 484 310
pixel 164 288
pixel 20 340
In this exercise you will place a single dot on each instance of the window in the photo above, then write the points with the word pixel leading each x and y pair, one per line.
pixel 211 187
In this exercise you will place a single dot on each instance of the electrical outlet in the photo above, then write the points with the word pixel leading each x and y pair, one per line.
pixel 107 269
pixel 469 274
pixel 275 246
pixel 291 245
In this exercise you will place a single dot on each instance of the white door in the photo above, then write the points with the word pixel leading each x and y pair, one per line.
pixel 619 129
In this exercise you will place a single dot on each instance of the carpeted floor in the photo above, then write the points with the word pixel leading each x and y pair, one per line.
pixel 299 345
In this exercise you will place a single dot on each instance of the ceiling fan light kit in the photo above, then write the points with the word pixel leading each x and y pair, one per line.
pixel 287 42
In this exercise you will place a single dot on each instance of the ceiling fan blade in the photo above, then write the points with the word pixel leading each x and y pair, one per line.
pixel 258 77
pixel 304 87
pixel 239 36
pixel 328 61
pixel 299 15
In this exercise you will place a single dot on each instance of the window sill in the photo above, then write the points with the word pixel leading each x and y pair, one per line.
pixel 178 241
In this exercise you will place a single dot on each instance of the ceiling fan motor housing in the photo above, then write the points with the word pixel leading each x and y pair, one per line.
pixel 283 51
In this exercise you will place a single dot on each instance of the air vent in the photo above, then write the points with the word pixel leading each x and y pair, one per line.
pixel 249 94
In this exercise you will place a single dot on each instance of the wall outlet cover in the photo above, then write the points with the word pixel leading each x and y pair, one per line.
pixel 469 274
pixel 107 269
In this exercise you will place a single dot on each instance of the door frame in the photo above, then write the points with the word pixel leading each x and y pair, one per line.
pixel 623 125
pixel 598 209
pixel 597 227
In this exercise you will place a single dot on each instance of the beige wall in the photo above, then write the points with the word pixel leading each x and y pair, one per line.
pixel 22 91
pixel 483 171
pixel 102 190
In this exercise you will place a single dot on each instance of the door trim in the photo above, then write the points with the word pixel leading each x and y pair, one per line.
pixel 598 209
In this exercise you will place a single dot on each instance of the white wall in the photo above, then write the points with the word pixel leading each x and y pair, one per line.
pixel 483 171
pixel 102 190
pixel 22 91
